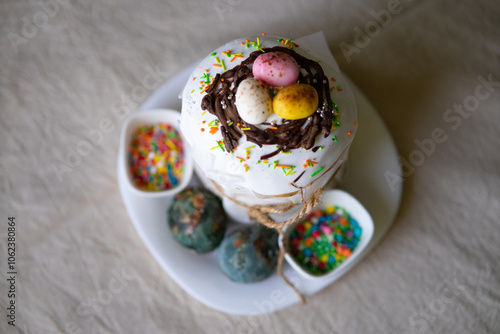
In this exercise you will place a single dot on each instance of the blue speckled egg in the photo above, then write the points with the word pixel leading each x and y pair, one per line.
pixel 249 255
pixel 197 220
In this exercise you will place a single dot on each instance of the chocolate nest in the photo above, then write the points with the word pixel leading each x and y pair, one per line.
pixel 291 134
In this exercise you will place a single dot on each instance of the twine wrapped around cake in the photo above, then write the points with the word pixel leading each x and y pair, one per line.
pixel 260 213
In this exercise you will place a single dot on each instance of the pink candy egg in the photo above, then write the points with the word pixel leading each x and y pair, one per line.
pixel 276 69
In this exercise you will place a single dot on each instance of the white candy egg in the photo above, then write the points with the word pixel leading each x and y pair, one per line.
pixel 253 101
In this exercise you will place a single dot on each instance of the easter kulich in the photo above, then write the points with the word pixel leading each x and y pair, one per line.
pixel 270 161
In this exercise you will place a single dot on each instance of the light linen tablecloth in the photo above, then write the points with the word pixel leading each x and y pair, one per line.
pixel 69 72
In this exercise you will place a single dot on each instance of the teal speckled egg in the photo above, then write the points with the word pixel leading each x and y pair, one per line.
pixel 197 220
pixel 249 255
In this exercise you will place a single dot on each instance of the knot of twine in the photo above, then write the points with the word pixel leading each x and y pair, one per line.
pixel 261 214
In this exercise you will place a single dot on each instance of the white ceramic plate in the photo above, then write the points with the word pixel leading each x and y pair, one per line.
pixel 372 154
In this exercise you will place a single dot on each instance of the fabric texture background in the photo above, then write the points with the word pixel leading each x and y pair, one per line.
pixel 65 66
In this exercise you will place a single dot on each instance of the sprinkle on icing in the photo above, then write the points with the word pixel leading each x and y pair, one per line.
pixel 288 42
pixel 219 145
pixel 317 171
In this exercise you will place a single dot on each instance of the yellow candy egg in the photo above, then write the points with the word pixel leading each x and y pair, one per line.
pixel 295 101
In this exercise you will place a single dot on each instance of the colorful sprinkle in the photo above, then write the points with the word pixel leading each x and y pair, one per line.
pixel 219 145
pixel 156 157
pixel 206 78
pixel 204 89
pixel 317 171
pixel 324 240
pixel 298 177
pixel 283 166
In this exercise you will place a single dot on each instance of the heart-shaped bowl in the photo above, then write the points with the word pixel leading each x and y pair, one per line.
pixel 358 215
pixel 130 127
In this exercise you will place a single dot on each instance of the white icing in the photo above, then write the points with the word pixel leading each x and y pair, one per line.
pixel 261 184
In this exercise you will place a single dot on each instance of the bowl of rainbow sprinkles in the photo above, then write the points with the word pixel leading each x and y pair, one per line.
pixel 154 155
pixel 330 238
